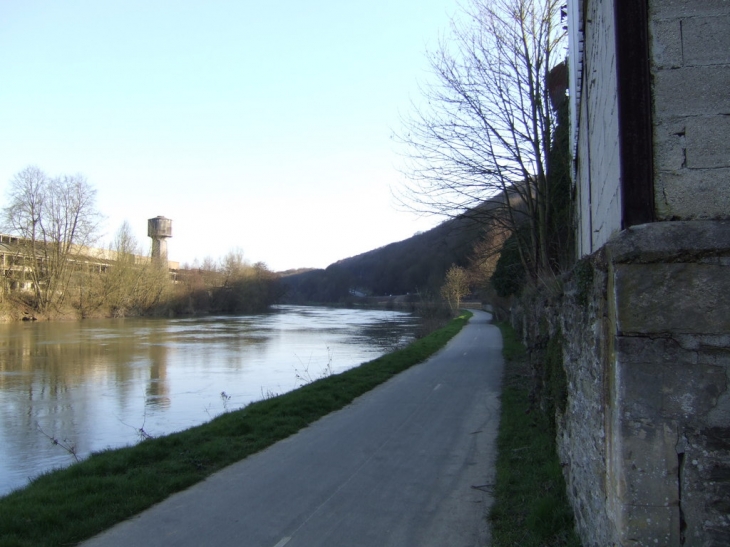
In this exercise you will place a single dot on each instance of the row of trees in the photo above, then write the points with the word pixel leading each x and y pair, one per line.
pixel 55 270
pixel 231 285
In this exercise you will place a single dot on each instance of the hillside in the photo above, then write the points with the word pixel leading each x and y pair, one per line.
pixel 416 264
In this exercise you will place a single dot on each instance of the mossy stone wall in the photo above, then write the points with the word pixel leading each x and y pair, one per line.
pixel 630 354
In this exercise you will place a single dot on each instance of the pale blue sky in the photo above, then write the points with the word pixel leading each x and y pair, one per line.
pixel 263 125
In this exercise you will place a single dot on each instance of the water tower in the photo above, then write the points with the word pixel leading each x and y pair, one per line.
pixel 159 229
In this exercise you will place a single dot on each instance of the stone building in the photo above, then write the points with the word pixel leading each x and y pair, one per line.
pixel 645 433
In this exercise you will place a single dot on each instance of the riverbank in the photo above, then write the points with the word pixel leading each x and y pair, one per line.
pixel 67 506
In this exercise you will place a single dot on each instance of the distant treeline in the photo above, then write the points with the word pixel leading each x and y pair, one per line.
pixel 234 286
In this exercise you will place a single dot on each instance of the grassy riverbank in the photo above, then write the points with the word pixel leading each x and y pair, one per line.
pixel 67 506
pixel 530 508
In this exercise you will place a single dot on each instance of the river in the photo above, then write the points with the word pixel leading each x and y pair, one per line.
pixel 97 384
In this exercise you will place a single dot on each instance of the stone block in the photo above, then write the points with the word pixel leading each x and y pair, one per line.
pixel 663 9
pixel 691 194
pixel 691 91
pixel 634 351
pixel 669 144
pixel 718 533
pixel 660 379
pixel 719 416
pixel 705 477
pixel 643 362
pixel 646 511
pixel 691 392
pixel 703 343
pixel 719 357
pixel 707 143
pixel 640 391
pixel 651 527
pixel 677 241
pixel 666 43
pixel 706 40
pixel 650 478
pixel 672 298
pixel 717 438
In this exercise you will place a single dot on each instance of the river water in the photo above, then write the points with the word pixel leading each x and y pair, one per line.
pixel 96 384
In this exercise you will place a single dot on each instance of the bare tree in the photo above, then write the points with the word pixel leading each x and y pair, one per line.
pixel 487 126
pixel 56 220
pixel 121 281
pixel 233 266
pixel 455 287
pixel 133 283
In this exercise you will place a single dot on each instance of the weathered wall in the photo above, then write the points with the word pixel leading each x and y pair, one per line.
pixel 671 295
pixel 690 45
pixel 579 311
pixel 645 434
pixel 645 317
pixel 690 68
pixel 597 162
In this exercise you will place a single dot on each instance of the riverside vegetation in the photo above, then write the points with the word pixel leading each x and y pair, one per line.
pixel 50 269
pixel 128 285
pixel 66 506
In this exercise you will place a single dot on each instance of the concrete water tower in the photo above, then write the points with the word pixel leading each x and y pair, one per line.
pixel 159 229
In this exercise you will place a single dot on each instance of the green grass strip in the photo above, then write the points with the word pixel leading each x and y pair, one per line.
pixel 531 508
pixel 67 506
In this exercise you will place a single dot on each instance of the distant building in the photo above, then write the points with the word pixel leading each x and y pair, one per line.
pixel 159 229
pixel 14 265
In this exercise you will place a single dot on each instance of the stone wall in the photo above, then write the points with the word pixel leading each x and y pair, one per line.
pixel 671 295
pixel 578 309
pixel 690 45
pixel 644 436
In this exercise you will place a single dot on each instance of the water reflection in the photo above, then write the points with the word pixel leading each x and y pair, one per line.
pixel 95 384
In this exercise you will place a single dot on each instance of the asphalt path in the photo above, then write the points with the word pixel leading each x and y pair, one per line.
pixel 408 464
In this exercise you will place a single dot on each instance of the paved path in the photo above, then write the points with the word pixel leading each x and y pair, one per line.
pixel 397 467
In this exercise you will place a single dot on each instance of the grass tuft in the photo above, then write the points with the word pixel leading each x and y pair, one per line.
pixel 70 505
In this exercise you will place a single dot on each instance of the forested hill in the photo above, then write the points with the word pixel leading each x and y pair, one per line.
pixel 415 264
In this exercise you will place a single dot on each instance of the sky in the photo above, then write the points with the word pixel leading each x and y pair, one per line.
pixel 264 126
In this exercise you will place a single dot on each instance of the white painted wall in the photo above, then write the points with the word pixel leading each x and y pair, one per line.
pixel 596 156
